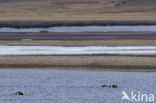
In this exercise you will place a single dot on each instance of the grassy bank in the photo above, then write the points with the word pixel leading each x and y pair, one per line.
pixel 77 10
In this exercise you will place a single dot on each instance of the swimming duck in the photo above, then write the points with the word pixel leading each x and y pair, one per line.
pixel 112 86
pixel 21 93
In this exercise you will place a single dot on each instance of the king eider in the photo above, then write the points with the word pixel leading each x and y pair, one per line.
pixel 21 93
pixel 112 86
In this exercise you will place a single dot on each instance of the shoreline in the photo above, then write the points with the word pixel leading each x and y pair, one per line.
pixel 46 24
pixel 80 43
pixel 100 63
pixel 87 69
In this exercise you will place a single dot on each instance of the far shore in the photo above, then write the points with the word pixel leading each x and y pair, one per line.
pixel 90 69
pixel 80 43
pixel 46 24
pixel 95 63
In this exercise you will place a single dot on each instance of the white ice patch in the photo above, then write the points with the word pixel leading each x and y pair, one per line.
pixel 143 28
pixel 85 50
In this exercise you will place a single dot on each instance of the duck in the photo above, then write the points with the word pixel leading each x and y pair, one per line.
pixel 112 86
pixel 20 93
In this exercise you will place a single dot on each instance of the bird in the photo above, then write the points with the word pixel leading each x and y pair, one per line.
pixel 20 93
pixel 111 86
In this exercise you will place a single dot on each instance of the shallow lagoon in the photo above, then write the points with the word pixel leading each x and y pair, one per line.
pixel 59 86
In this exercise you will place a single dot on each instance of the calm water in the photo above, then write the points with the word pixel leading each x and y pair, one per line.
pixel 52 86
pixel 140 28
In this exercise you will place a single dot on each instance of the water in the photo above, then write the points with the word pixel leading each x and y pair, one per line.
pixel 52 86
pixel 141 28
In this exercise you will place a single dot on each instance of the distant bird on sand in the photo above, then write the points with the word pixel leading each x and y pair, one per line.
pixel 111 86
pixel 20 93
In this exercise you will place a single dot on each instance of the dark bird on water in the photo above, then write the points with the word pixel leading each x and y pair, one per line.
pixel 21 93
pixel 111 86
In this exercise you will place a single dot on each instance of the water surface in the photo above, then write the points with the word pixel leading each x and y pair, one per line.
pixel 141 28
pixel 52 86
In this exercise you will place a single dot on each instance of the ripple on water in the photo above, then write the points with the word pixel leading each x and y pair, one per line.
pixel 52 86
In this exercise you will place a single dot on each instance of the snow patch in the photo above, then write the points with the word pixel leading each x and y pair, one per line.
pixel 85 50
